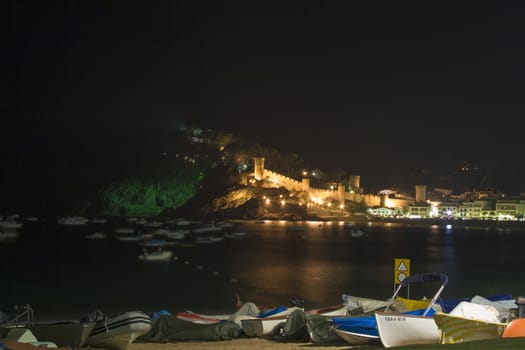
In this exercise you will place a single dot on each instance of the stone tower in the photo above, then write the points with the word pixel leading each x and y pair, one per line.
pixel 383 199
pixel 341 193
pixel 421 193
pixel 306 184
pixel 258 168
pixel 354 181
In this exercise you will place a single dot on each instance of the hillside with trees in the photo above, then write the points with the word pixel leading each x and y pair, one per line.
pixel 190 168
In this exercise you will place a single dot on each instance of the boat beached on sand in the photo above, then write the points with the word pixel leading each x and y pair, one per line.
pixel 58 333
pixel 397 329
pixel 357 330
pixel 118 331
pixel 468 322
pixel 265 323
pixel 361 328
pixel 70 333
pixel 247 310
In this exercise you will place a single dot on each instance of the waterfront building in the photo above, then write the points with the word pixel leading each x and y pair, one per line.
pixel 385 212
pixel 447 209
pixel 471 210
pixel 510 208
pixel 419 210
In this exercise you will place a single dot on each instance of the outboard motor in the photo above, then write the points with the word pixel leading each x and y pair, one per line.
pixel 298 302
pixel 93 316
pixel 520 301
pixel 3 318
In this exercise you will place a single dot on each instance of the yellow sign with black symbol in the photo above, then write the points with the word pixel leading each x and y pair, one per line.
pixel 401 269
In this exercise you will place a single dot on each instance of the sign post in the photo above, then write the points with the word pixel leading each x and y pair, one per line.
pixel 401 270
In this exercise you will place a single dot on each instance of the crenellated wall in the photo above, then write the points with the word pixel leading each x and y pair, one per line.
pixel 317 194
pixel 281 180
pixel 369 199
pixel 322 195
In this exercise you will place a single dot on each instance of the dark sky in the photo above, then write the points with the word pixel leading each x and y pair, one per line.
pixel 374 88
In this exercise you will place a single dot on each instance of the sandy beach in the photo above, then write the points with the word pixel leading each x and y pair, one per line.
pixel 266 344
pixel 241 343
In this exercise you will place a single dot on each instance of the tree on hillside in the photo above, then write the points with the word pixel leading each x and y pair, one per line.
pixel 242 153
pixel 288 164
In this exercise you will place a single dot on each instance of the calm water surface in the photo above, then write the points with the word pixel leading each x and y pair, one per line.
pixel 62 274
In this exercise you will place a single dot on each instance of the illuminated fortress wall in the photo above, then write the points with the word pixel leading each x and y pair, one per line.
pixel 370 200
pixel 323 195
pixel 318 194
pixel 281 180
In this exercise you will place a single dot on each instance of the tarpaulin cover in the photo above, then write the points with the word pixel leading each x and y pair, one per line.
pixel 167 329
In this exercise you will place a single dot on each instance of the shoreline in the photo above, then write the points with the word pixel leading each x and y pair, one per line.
pixel 268 344
pixel 430 222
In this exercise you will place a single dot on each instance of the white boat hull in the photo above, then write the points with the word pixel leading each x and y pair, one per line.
pixel 118 332
pixel 397 329
pixel 357 338
pixel 164 255
pixel 330 311
pixel 257 327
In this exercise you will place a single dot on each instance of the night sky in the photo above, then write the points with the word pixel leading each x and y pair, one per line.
pixel 379 89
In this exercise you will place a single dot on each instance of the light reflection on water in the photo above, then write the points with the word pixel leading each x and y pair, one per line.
pixel 279 260
pixel 331 263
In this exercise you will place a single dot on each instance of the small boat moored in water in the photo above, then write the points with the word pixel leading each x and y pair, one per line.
pixel 156 255
pixel 72 221
pixel 358 233
pixel 96 235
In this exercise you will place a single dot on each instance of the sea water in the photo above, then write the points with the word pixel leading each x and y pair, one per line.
pixel 61 274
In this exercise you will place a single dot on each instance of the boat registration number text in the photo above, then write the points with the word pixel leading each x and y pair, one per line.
pixel 394 318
